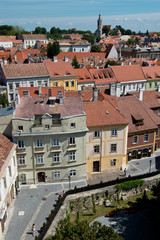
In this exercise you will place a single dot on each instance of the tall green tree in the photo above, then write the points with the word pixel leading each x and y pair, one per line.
pixel 53 49
pixel 4 101
pixel 75 63
pixel 95 48
pixel 40 30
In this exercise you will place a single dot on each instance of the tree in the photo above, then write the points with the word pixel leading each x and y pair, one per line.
pixel 81 230
pixel 95 48
pixel 75 63
pixel 53 49
pixel 40 30
pixel 105 29
pixel 4 101
pixel 111 63
pixel 89 37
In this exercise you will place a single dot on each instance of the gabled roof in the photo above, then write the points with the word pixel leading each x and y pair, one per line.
pixel 102 113
pixel 59 68
pixel 102 76
pixel 24 70
pixel 152 72
pixel 81 55
pixel 83 75
pixel 34 36
pixel 151 98
pixel 128 73
pixel 5 149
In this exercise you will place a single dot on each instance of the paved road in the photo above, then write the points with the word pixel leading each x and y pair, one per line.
pixel 32 205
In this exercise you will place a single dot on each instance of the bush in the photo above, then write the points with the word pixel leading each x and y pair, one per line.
pixel 129 184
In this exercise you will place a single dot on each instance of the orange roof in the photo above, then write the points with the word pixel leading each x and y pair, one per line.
pixel 34 91
pixel 102 76
pixel 24 70
pixel 59 68
pixel 128 73
pixel 78 55
pixel 83 75
pixel 5 148
pixel 151 72
pixel 102 113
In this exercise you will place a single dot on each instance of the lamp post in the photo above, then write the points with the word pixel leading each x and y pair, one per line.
pixel 150 162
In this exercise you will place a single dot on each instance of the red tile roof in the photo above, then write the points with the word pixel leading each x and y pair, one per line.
pixel 152 72
pixel 128 73
pixel 80 55
pixel 59 68
pixel 24 70
pixel 102 113
pixel 34 36
pixel 102 76
pixel 83 75
pixel 151 98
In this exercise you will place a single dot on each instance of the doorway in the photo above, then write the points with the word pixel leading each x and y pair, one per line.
pixel 96 166
pixel 41 177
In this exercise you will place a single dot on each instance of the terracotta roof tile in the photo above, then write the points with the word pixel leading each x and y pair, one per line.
pixel 152 72
pixel 83 75
pixel 102 76
pixel 5 148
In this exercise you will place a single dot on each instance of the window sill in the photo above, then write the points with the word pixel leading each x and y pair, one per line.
pixel 70 161
pixel 40 164
pixel 56 162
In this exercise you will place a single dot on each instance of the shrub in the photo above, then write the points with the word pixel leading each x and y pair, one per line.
pixel 129 184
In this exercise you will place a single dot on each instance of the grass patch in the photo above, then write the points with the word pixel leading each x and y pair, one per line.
pixel 129 184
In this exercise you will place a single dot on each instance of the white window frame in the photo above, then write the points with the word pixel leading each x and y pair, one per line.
pixel 73 125
pixel 113 162
pixel 57 175
pixel 146 137
pixel 72 173
pixel 39 143
pixel 111 148
pixel 72 156
pixel 71 141
pixel 56 157
pixel 114 133
pixel 55 142
pixel 21 160
pixel 40 158
pixel 133 141
pixel 97 134
pixel 21 144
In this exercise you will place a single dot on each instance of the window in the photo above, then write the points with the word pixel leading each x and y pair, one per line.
pixel 150 85
pixel 11 97
pixel 96 149
pixel 67 84
pixel 40 159
pixel 146 137
pixel 71 140
pixel 47 126
pixel 96 134
pixel 135 139
pixel 134 86
pixel 10 172
pixel 73 125
pixel 25 93
pixel 55 84
pixel 157 132
pixel 155 84
pixel 20 128
pixel 56 157
pixel 72 83
pixel 5 182
pixel 57 174
pixel 21 160
pixel 113 147
pixel 23 178
pixel 129 86
pixel 17 85
pixel 114 132
pixel 55 142
pixel 72 156
pixel 21 144
pixel 39 83
pixel 10 86
pixel 113 162
pixel 39 143
pixel 31 84
pixel 72 173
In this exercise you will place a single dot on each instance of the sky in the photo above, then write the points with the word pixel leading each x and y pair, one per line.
pixel 137 15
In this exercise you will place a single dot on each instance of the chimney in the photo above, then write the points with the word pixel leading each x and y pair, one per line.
pixel 40 91
pixel 141 94
pixel 113 89
pixel 60 95
pixel 65 58
pixel 122 63
pixel 118 87
pixel 95 94
pixel 55 59
pixel 29 58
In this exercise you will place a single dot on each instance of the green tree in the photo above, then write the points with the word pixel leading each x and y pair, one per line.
pixel 4 101
pixel 105 29
pixel 95 48
pixel 40 30
pixel 75 63
pixel 89 37
pixel 81 230
pixel 111 63
pixel 53 49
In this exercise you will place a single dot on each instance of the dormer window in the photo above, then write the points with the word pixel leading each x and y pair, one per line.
pixel 137 120
pixel 25 93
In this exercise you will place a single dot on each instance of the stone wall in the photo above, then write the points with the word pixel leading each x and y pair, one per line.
pixel 82 202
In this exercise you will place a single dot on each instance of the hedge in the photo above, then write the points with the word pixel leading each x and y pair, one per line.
pixel 129 184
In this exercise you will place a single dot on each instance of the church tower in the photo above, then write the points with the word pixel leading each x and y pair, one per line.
pixel 98 32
